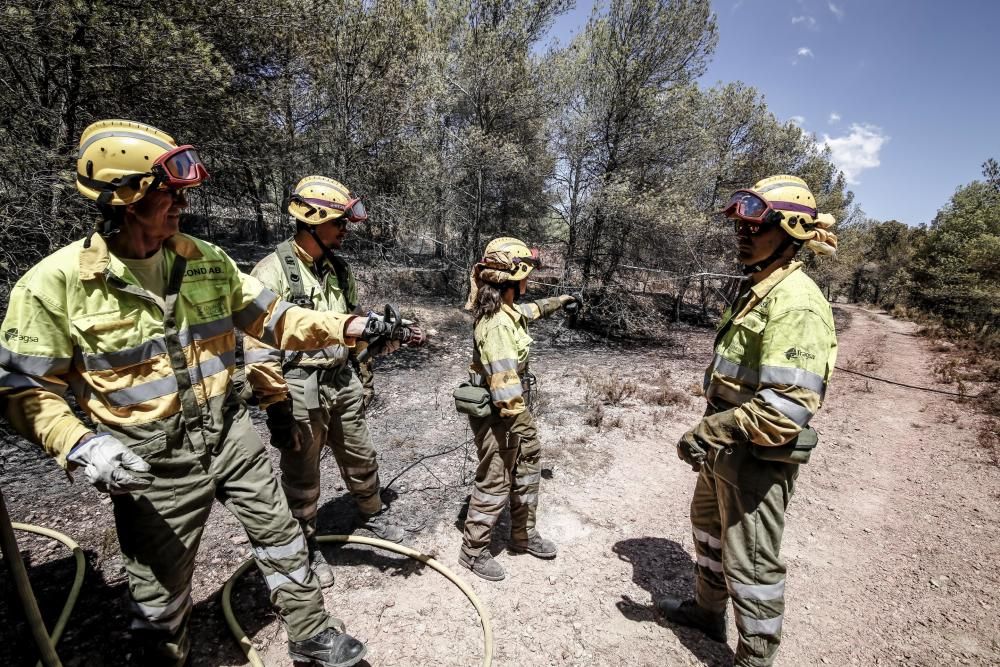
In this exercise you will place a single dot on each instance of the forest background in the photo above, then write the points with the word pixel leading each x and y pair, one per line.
pixel 457 122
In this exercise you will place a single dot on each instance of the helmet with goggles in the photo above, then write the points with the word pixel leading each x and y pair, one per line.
pixel 509 257
pixel 786 201
pixel 318 199
pixel 118 161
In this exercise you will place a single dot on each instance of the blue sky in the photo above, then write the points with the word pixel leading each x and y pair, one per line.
pixel 905 92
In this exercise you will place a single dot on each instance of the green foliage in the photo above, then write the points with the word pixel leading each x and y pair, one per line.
pixel 450 117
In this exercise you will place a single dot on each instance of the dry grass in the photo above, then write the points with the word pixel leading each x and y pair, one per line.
pixel 989 440
pixel 612 389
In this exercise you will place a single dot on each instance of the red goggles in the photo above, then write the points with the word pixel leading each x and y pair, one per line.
pixel 354 210
pixel 749 211
pixel 179 168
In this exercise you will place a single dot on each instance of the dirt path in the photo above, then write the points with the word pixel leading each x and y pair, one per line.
pixel 891 543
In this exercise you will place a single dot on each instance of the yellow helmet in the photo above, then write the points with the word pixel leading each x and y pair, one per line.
pixel 507 259
pixel 118 161
pixel 318 199
pixel 793 201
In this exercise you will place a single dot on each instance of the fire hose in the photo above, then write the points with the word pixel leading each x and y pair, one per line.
pixel 254 658
pixel 46 643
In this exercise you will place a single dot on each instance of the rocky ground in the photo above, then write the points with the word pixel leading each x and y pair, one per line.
pixel 891 542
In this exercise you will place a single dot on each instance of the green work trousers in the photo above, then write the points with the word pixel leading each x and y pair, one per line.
pixel 737 517
pixel 328 410
pixel 159 529
pixel 509 467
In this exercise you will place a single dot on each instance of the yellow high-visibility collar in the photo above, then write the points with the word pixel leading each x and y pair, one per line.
pixel 96 258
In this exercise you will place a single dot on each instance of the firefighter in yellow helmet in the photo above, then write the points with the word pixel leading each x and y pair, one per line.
pixel 313 399
pixel 774 353
pixel 137 320
pixel 506 439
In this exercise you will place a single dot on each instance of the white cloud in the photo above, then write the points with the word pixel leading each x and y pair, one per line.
pixel 837 11
pixel 855 152
pixel 798 121
pixel 808 21
pixel 803 52
pixel 834 117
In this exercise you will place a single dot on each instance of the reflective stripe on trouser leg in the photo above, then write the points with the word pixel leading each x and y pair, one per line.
pixel 527 475
pixel 706 528
pixel 248 489
pixel 493 483
pixel 351 442
pixel 755 573
pixel 159 531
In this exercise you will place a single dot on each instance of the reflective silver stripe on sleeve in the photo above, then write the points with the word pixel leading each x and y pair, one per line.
pixel 748 376
pixel 797 413
pixel 33 365
pixel 760 592
pixel 269 336
pixel 17 381
pixel 710 563
pixel 293 548
pixel 767 627
pixel 507 393
pixel 728 394
pixel 500 365
pixel 278 579
pixel 250 312
pixel 798 377
pixel 530 310
pixel 259 355
pixel 705 538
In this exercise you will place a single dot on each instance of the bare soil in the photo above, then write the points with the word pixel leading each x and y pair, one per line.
pixel 891 542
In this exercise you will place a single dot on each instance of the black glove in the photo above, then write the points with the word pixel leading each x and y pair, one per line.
pixel 691 451
pixel 573 307
pixel 281 424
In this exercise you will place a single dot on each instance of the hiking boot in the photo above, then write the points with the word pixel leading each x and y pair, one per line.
pixel 482 565
pixel 379 525
pixel 329 648
pixel 537 546
pixel 319 565
pixel 688 613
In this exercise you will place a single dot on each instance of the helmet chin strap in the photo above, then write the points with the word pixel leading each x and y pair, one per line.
pixel 750 269
pixel 327 252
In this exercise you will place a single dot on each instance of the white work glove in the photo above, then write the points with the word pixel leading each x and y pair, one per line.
pixel 106 462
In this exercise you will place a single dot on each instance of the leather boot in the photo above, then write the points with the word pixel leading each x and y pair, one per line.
pixel 536 545
pixel 319 565
pixel 689 614
pixel 482 565
pixel 380 526
pixel 329 648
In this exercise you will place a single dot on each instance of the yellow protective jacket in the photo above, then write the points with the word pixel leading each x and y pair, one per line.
pixel 264 363
pixel 501 349
pixel 773 358
pixel 79 319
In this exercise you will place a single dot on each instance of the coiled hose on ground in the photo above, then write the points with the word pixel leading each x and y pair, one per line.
pixel 254 658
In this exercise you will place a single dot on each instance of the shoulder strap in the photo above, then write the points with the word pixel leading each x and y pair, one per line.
pixel 343 280
pixel 289 264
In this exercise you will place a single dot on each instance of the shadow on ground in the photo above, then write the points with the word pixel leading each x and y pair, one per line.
pixel 663 567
